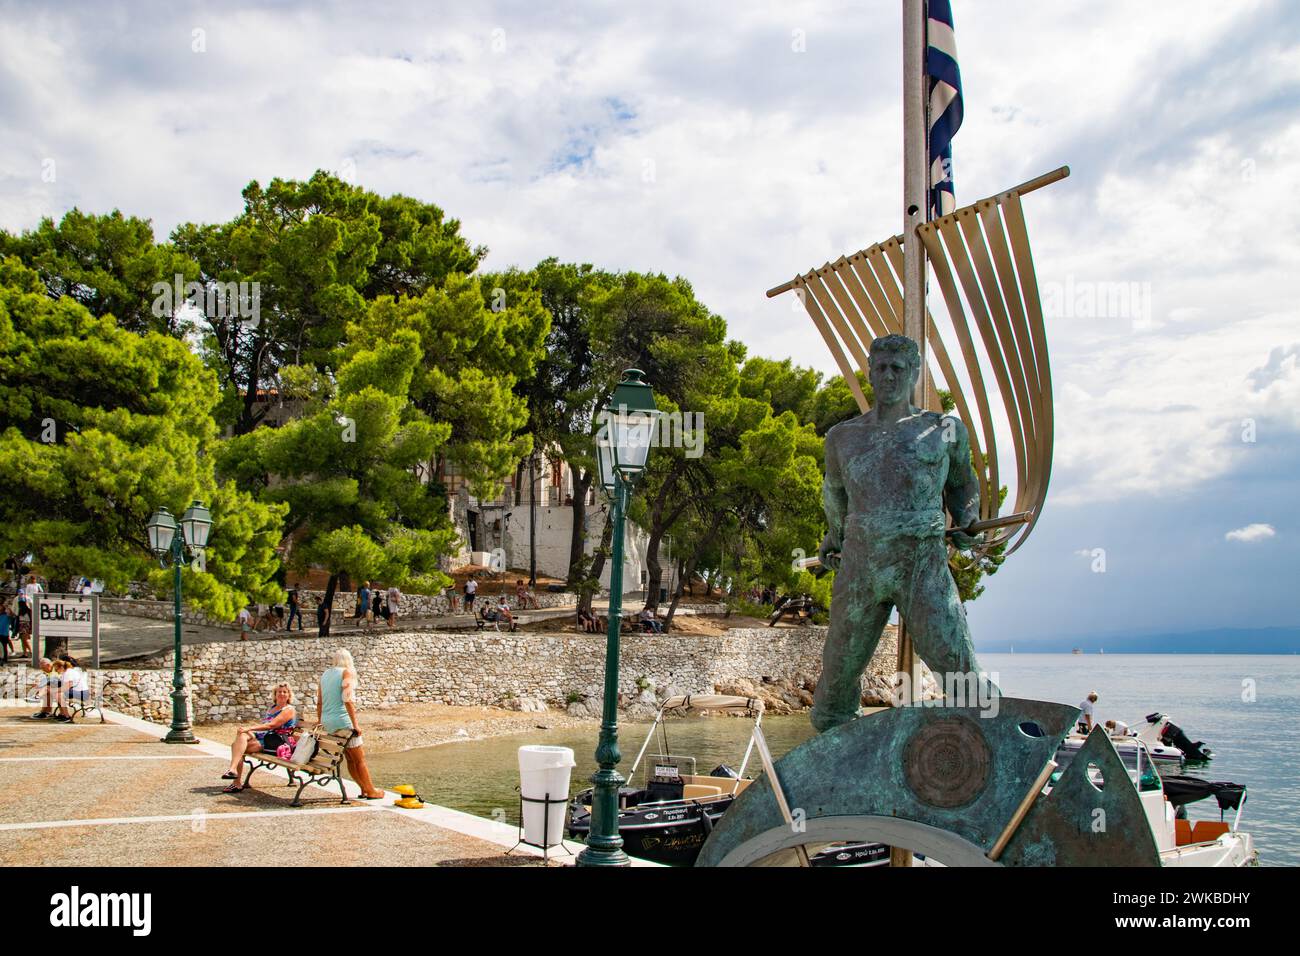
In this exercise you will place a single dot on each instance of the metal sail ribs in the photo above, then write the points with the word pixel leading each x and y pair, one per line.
pixel 984 270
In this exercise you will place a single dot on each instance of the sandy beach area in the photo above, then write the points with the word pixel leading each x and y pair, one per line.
pixel 406 726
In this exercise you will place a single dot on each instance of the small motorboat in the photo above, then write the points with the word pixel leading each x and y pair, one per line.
pixel 1164 742
pixel 669 817
pixel 1165 796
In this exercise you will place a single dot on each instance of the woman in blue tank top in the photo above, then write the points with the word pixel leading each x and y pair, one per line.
pixel 336 710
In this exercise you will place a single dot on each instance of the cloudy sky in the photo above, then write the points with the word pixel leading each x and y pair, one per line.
pixel 738 143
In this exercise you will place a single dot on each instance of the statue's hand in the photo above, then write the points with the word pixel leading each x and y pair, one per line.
pixel 964 542
pixel 829 553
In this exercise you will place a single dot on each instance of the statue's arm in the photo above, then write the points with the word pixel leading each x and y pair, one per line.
pixel 835 502
pixel 961 492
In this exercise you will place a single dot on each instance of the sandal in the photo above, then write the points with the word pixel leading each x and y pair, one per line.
pixel 230 775
pixel 362 796
pixel 233 788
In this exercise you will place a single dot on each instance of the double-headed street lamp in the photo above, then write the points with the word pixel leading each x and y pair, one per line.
pixel 622 447
pixel 165 539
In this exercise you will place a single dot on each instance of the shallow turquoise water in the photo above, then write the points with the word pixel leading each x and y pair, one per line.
pixel 1253 739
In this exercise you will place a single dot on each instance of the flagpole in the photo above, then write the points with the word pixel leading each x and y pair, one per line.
pixel 916 200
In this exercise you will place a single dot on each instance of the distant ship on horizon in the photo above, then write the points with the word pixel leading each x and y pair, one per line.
pixel 1077 650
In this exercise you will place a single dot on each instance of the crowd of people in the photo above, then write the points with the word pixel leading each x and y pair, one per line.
pixel 16 621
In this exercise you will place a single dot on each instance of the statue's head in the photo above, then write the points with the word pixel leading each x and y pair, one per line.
pixel 895 365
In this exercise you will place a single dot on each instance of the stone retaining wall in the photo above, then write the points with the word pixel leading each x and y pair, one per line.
pixel 157 611
pixel 424 605
pixel 137 692
pixel 234 681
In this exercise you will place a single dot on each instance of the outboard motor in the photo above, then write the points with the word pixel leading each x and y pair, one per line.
pixel 1173 736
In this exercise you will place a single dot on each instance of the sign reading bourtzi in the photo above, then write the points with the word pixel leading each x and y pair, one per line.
pixel 66 617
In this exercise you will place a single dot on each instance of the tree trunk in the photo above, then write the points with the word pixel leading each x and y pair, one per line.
pixel 519 483
pixel 577 540
pixel 327 607
pixel 686 573
pixel 677 593
pixel 598 562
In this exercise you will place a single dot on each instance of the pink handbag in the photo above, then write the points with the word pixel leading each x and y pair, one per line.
pixel 284 751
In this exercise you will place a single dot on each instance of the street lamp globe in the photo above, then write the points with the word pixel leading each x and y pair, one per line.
pixel 196 522
pixel 605 459
pixel 631 420
pixel 162 528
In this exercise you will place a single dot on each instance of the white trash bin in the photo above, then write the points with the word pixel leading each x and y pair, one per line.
pixel 544 770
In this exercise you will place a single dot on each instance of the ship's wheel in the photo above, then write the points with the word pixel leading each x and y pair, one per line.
pixel 958 785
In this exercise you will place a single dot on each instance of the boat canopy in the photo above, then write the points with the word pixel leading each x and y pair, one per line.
pixel 712 702
pixel 1183 790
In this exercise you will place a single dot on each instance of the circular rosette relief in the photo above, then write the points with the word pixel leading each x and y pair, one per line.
pixel 946 763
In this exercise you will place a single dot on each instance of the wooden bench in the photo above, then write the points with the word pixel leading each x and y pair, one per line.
pixel 482 622
pixel 323 767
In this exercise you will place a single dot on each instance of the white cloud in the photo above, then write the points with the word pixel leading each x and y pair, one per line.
pixel 1252 532
pixel 765 161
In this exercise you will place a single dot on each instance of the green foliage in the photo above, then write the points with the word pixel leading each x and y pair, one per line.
pixel 347 471
pixel 834 403
pixel 476 339
pixel 783 385
pixel 99 427
pixel 109 264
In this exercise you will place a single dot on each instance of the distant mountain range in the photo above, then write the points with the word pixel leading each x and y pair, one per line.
pixel 1222 640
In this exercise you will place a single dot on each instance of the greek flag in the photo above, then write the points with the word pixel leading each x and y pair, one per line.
pixel 945 103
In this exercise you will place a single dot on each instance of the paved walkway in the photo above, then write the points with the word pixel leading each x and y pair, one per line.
pixel 91 794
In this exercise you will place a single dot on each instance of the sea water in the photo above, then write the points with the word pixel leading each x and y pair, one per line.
pixel 1245 707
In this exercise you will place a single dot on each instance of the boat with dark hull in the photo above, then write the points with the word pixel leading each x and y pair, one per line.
pixel 668 819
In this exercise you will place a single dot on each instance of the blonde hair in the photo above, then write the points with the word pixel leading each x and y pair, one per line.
pixel 343 659
pixel 287 686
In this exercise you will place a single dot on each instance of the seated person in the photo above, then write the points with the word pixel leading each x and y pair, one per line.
pixel 499 612
pixel 277 727
pixel 524 597
pixel 48 687
pixel 649 623
pixel 1117 728
pixel 587 622
pixel 76 686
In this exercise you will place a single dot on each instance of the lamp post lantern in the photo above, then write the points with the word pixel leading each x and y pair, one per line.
pixel 166 539
pixel 622 448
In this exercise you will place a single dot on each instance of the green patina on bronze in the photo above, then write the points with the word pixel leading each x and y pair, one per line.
pixel 890 475
pixel 961 771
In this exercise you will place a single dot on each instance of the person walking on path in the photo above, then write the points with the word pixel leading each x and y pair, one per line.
pixel 6 625
pixel 394 603
pixel 245 619
pixel 471 588
pixel 336 710
pixel 295 608
pixel 361 613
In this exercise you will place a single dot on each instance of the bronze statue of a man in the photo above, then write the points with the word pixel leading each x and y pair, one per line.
pixel 890 473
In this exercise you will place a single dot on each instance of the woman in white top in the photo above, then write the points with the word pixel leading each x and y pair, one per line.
pixel 75 686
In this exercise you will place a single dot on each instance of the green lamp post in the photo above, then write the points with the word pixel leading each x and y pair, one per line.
pixel 167 540
pixel 622 448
